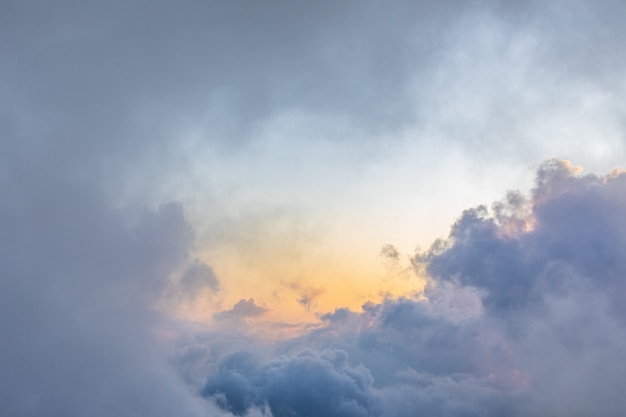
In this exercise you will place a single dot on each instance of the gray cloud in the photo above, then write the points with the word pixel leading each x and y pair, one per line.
pixel 120 71
pixel 78 279
pixel 308 383
pixel 98 101
pixel 576 223
pixel 241 310
pixel 198 276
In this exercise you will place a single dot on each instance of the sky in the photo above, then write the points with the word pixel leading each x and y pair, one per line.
pixel 332 208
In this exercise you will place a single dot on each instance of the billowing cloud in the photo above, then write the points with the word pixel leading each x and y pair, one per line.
pixel 308 383
pixel 576 227
pixel 522 316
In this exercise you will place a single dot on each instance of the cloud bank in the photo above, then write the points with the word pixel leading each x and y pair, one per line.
pixel 522 316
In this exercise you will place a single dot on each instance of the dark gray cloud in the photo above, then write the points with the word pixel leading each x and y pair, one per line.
pixel 78 280
pixel 308 383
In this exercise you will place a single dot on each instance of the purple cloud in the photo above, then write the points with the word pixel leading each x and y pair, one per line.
pixel 522 317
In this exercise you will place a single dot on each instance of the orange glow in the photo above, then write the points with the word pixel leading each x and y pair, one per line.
pixel 298 283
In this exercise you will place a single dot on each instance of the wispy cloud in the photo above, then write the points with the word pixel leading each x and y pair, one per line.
pixel 306 295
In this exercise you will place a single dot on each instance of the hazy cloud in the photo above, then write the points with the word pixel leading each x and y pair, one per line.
pixel 197 277
pixel 307 383
pixel 110 110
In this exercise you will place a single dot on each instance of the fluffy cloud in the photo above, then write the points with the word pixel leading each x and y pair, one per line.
pixel 576 230
pixel 308 383
pixel 522 317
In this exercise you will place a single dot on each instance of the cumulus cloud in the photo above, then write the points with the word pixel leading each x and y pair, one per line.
pixel 516 320
pixel 575 224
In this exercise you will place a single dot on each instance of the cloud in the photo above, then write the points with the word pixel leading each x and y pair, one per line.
pixel 575 224
pixel 198 276
pixel 308 383
pixel 306 295
pixel 79 280
pixel 241 310
pixel 516 320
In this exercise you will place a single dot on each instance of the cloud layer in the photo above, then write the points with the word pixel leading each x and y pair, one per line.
pixel 133 135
